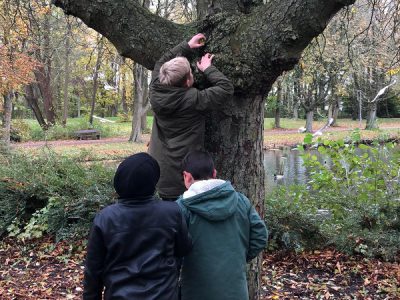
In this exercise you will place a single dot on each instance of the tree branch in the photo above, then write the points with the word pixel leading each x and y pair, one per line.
pixel 135 32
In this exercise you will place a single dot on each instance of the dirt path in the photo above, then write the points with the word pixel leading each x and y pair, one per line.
pixel 281 136
pixel 34 144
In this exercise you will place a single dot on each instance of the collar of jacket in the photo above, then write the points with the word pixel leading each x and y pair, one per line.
pixel 137 200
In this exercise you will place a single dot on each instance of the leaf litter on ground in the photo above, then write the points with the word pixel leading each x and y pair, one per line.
pixel 43 269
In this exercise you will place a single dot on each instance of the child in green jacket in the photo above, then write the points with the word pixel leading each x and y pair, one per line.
pixel 226 231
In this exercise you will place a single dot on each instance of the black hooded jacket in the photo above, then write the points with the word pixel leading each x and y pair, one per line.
pixel 135 244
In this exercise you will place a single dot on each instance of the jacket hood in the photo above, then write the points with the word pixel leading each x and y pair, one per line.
pixel 216 204
pixel 166 99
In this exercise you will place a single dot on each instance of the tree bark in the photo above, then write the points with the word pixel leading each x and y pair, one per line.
pixel 253 44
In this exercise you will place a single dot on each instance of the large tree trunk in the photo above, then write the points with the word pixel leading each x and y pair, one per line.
pixel 253 43
pixel 239 156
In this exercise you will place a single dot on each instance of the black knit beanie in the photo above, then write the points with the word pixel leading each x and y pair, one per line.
pixel 137 176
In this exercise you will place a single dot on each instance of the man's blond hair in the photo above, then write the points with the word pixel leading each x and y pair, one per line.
pixel 175 72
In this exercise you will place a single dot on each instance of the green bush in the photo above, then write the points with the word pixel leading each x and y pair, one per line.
pixel 351 201
pixel 51 194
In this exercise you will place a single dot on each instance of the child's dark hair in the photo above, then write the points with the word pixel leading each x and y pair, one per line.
pixel 200 164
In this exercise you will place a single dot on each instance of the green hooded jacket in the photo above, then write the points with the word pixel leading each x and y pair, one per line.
pixel 179 119
pixel 226 232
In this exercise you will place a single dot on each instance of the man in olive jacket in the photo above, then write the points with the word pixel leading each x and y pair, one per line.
pixel 226 231
pixel 136 245
pixel 179 108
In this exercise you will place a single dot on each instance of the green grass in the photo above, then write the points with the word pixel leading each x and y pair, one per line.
pixel 351 124
pixel 31 131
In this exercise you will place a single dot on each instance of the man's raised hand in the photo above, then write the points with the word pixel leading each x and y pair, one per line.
pixel 197 41
pixel 205 62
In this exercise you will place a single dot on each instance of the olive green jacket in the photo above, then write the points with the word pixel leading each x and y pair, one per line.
pixel 179 120
pixel 226 232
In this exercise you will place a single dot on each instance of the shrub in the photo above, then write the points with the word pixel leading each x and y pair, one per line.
pixel 351 201
pixel 51 194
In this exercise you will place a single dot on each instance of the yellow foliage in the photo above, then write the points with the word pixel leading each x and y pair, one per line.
pixel 392 72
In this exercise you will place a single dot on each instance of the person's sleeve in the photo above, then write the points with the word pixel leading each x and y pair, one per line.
pixel 96 252
pixel 181 49
pixel 215 96
pixel 258 235
pixel 183 242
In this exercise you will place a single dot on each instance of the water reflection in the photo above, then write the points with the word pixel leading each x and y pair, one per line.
pixel 285 167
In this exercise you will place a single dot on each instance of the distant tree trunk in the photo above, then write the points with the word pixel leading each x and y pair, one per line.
pixel 31 97
pixel 67 71
pixel 309 120
pixel 95 77
pixel 43 75
pixel 278 104
pixel 78 106
pixel 333 111
pixel 43 78
pixel 371 116
pixel 140 79
pixel 146 103
pixel 123 94
pixel 6 124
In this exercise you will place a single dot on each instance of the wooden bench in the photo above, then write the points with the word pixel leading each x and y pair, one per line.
pixel 87 134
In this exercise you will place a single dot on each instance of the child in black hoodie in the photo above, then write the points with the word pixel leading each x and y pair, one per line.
pixel 135 245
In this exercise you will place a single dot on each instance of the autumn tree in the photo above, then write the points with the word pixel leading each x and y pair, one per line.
pixel 373 51
pixel 16 67
pixel 253 42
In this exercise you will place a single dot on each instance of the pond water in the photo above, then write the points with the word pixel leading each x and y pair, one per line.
pixel 285 167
